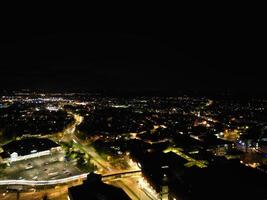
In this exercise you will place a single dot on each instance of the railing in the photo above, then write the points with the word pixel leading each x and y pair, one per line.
pixel 61 181
pixel 121 173
pixel 42 183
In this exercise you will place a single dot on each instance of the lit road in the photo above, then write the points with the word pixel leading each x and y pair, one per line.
pixel 56 193
pixel 43 183
pixel 131 185
pixel 130 180
pixel 45 170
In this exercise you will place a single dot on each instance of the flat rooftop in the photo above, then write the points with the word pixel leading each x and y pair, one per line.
pixel 26 146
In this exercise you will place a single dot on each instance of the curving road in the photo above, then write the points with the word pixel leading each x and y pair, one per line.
pixel 43 183
pixel 129 184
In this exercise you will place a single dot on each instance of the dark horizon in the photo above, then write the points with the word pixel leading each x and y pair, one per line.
pixel 170 61
pixel 169 107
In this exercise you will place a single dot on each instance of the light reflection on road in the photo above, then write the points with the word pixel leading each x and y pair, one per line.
pixel 135 187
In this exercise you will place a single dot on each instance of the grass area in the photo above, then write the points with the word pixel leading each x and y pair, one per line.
pixel 75 151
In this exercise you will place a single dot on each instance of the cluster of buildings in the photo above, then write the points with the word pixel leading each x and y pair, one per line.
pixel 185 146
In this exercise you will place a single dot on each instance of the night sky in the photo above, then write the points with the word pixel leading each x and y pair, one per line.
pixel 169 59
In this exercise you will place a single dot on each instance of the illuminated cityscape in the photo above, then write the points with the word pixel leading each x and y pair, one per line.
pixel 173 107
pixel 145 147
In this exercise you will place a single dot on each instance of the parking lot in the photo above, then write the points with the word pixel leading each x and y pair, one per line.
pixel 49 167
